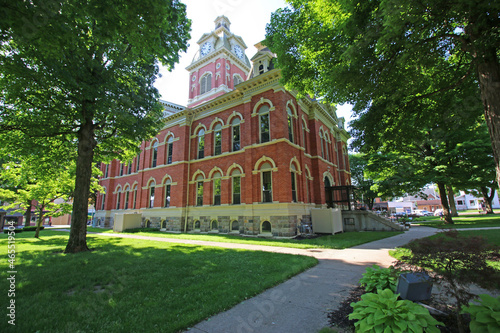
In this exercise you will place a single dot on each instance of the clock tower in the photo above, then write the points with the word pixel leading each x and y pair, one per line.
pixel 219 65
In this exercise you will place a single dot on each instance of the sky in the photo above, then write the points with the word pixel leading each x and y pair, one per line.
pixel 248 20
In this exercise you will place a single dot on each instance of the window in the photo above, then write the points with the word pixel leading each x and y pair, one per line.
pixel 129 168
pixel 206 83
pixel 217 140
pixel 472 202
pixel 235 226
pixel 106 171
pixel 134 199
pixel 290 124
pixel 261 69
pixel 103 200
pixel 121 169
pixel 167 193
pixel 264 124
pixel 304 137
pixel 154 154
pixel 197 225
pixel 265 227
pixel 267 188
pixel 170 147
pixel 327 147
pixel 460 202
pixel 236 187
pixel 137 162
pixel 127 196
pixel 201 143
pixel 118 197
pixel 237 80
pixel 217 189
pixel 236 133
pixel 199 191
pixel 322 147
pixel 152 195
pixel 214 225
pixel 294 186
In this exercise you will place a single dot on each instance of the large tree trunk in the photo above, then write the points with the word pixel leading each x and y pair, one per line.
pixel 451 200
pixel 27 215
pixel 444 203
pixel 78 234
pixel 488 198
pixel 39 223
pixel 489 82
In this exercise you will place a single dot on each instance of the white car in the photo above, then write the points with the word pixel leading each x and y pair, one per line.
pixel 438 212
pixel 421 212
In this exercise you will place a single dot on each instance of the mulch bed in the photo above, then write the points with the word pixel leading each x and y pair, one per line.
pixel 339 318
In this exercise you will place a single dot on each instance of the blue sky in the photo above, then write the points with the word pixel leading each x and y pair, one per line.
pixel 248 20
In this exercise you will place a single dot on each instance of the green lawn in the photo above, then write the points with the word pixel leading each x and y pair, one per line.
pixel 130 285
pixel 464 221
pixel 338 241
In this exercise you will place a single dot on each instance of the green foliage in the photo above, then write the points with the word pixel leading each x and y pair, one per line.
pixel 376 278
pixel 6 231
pixel 32 228
pixel 485 317
pixel 382 312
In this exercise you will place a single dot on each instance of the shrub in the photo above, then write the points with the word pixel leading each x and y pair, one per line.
pixel 382 312
pixel 134 230
pixel 6 231
pixel 31 228
pixel 485 317
pixel 376 278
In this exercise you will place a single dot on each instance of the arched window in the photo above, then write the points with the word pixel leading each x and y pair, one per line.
pixel 304 137
pixel 294 183
pixel 134 199
pixel 121 169
pixel 237 80
pixel 264 123
pixel 129 167
pixel 138 162
pixel 214 225
pixel 235 226
pixel 267 183
pixel 217 188
pixel 322 146
pixel 327 147
pixel 118 197
pixel 236 133
pixel 196 225
pixel 217 139
pixel 201 143
pixel 236 186
pixel 127 196
pixel 106 171
pixel 199 190
pixel 152 195
pixel 168 184
pixel 205 83
pixel 154 154
pixel 103 202
pixel 170 149
pixel 261 69
pixel 290 124
pixel 265 227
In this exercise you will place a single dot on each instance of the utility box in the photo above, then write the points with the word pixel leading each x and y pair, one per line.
pixel 414 286
pixel 326 220
pixel 127 221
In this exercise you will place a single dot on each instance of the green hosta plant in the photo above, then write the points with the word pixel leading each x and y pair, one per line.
pixel 376 278
pixel 382 312
pixel 485 317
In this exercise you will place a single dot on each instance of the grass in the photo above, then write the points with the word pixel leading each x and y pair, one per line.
pixel 464 221
pixel 131 285
pixel 338 241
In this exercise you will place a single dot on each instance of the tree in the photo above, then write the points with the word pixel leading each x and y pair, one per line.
pixel 358 52
pixel 357 164
pixel 83 73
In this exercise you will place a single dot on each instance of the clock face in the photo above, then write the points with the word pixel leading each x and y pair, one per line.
pixel 206 48
pixel 238 51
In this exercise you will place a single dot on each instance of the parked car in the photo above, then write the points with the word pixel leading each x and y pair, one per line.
pixel 421 212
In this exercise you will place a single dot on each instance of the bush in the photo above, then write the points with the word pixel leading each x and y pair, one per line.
pixel 485 317
pixel 134 230
pixel 382 312
pixel 376 278
pixel 6 231
pixel 31 228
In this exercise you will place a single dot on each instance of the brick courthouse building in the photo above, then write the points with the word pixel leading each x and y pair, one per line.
pixel 245 156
